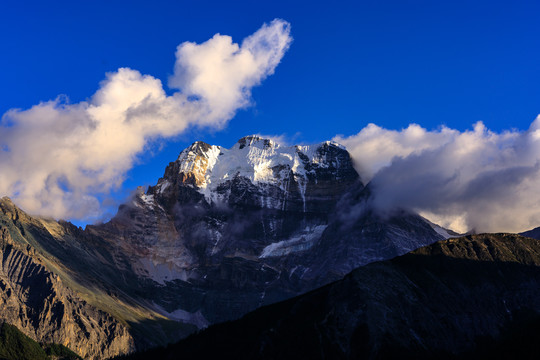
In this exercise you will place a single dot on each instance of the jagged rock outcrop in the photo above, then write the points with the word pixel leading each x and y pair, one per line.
pixel 472 297
pixel 37 302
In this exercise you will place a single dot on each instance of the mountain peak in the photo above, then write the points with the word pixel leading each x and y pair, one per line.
pixel 256 140
pixel 195 161
pixel 198 147
pixel 330 143
pixel 278 175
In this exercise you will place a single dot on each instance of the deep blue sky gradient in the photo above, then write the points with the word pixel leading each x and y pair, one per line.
pixel 351 63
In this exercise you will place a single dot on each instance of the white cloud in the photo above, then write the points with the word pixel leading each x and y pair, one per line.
pixel 375 147
pixel 473 179
pixel 222 73
pixel 56 156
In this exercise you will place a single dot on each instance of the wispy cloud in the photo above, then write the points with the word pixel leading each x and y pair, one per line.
pixel 473 179
pixel 56 156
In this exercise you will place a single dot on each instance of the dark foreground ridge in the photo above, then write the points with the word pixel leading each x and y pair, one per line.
pixel 472 297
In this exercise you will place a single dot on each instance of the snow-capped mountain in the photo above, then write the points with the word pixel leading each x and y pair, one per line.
pixel 268 175
pixel 250 204
pixel 223 232
pixel 261 220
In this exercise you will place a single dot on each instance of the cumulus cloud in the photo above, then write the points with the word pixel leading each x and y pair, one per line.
pixel 476 179
pixel 222 73
pixel 56 157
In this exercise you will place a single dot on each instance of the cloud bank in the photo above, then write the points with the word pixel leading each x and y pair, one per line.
pixel 476 179
pixel 56 157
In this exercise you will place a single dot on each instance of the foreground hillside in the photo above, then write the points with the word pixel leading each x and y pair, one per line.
pixel 476 296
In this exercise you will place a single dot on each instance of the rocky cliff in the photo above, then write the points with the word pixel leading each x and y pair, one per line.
pixel 37 302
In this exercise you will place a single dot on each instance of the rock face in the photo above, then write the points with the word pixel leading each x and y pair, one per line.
pixel 37 302
pixel 228 230
pixel 472 297
pixel 222 233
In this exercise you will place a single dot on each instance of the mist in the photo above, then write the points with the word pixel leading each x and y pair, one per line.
pixel 465 180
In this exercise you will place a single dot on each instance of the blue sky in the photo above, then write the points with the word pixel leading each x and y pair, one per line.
pixel 351 63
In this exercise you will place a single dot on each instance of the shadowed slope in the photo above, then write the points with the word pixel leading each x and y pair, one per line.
pixel 455 298
pixel 534 233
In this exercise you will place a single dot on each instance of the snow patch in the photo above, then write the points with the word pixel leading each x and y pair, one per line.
pixel 164 185
pixel 196 318
pixel 161 272
pixel 301 242
pixel 147 199
pixel 445 233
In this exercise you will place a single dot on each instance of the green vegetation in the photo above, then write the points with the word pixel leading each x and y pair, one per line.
pixel 14 345
pixel 58 351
